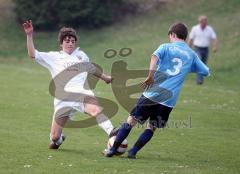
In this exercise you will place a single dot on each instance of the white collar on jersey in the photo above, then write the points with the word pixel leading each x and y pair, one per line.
pixel 73 53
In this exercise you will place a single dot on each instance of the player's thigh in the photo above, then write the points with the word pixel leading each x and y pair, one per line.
pixel 142 110
pixel 61 116
pixel 91 106
pixel 159 115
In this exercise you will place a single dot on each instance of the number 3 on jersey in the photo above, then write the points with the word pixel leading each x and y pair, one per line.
pixel 176 68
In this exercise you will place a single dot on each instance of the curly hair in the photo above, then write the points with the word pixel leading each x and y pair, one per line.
pixel 66 32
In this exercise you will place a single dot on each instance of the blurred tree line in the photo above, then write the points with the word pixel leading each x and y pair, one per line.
pixel 52 14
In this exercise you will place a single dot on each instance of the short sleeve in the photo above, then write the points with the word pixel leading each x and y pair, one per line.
pixel 159 53
pixel 199 67
pixel 90 68
pixel 192 33
pixel 83 56
pixel 43 58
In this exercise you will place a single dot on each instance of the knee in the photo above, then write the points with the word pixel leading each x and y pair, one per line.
pixel 151 127
pixel 95 111
pixel 131 121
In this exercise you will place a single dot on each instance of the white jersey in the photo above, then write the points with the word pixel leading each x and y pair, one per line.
pixel 202 37
pixel 57 62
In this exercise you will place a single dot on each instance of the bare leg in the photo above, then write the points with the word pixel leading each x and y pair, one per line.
pixel 92 108
pixel 60 118
pixel 57 127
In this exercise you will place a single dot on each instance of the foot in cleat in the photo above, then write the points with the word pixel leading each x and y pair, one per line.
pixel 108 153
pixel 131 155
pixel 55 146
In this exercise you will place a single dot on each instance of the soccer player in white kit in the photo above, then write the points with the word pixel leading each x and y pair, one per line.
pixel 69 59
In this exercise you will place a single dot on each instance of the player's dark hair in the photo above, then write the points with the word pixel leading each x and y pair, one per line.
pixel 180 29
pixel 66 32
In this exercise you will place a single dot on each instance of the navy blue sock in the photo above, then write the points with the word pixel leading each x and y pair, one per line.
pixel 122 134
pixel 142 140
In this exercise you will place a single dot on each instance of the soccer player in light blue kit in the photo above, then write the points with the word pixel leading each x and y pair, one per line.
pixel 169 66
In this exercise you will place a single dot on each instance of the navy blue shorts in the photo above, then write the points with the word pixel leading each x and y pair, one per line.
pixel 145 109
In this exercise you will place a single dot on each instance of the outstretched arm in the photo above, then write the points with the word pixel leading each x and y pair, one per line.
pixel 152 69
pixel 93 69
pixel 199 67
pixel 108 79
pixel 28 28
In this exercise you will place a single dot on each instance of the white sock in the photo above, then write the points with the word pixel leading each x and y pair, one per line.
pixel 59 141
pixel 104 123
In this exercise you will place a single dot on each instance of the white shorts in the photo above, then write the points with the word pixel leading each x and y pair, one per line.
pixel 69 108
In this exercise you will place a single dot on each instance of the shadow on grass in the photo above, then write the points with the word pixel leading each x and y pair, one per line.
pixel 74 151
pixel 148 158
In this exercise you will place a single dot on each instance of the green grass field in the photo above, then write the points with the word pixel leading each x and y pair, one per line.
pixel 208 144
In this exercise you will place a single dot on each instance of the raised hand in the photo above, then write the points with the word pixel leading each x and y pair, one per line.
pixel 107 79
pixel 28 28
pixel 214 49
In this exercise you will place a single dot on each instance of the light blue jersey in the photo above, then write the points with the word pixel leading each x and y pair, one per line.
pixel 175 61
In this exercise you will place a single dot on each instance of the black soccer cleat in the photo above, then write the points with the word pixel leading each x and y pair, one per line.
pixel 55 146
pixel 113 132
pixel 131 155
pixel 108 153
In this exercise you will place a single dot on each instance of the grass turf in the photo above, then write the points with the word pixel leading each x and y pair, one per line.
pixel 209 143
